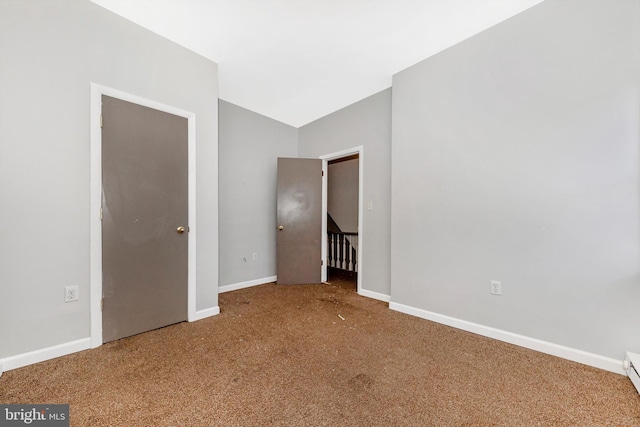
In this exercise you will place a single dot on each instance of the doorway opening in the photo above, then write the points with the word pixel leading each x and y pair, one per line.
pixel 342 218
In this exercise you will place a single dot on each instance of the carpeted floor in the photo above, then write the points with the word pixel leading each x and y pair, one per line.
pixel 314 355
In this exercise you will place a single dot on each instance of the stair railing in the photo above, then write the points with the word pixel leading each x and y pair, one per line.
pixel 342 253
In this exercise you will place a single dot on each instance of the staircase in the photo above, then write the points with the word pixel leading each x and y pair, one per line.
pixel 342 247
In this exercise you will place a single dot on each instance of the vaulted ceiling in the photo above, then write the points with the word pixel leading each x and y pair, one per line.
pixel 298 60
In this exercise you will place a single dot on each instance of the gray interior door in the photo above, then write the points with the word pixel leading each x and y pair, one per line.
pixel 145 213
pixel 299 234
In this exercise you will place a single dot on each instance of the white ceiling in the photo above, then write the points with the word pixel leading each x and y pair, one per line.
pixel 298 60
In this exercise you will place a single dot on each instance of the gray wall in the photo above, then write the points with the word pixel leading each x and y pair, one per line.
pixel 249 146
pixel 342 194
pixel 515 158
pixel 366 123
pixel 50 51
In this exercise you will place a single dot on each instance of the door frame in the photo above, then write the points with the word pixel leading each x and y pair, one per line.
pixel 359 150
pixel 95 202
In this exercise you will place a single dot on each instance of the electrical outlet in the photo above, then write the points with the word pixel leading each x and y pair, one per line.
pixel 255 256
pixel 70 293
pixel 496 287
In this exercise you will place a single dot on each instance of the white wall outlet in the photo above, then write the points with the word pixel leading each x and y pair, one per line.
pixel 255 256
pixel 496 287
pixel 70 293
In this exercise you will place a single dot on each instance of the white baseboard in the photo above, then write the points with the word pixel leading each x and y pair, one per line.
pixel 36 356
pixel 590 359
pixel 264 280
pixel 374 295
pixel 632 367
pixel 242 285
pixel 207 312
pixel 41 355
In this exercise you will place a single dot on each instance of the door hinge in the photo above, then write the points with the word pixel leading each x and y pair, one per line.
pixel 100 120
pixel 102 304
pixel 101 214
pixel 322 173
pixel 321 262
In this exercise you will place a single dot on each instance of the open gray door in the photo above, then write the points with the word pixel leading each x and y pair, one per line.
pixel 299 234
pixel 145 213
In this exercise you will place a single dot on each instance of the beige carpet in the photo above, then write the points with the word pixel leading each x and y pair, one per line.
pixel 314 355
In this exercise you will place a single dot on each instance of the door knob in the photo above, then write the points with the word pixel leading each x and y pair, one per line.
pixel 280 227
pixel 180 230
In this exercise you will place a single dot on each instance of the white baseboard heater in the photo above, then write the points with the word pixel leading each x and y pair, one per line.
pixel 632 366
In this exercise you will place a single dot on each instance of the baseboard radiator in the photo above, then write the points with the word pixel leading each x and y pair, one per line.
pixel 632 366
